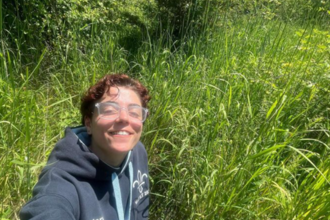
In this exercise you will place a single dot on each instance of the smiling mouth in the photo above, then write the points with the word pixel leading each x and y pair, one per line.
pixel 119 133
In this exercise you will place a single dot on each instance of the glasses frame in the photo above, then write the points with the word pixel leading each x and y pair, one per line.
pixel 97 105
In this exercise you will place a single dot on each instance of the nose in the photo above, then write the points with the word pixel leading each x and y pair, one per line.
pixel 123 115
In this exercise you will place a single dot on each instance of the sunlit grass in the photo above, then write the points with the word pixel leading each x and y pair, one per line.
pixel 242 125
pixel 239 124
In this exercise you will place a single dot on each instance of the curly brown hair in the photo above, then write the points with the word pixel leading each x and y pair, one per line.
pixel 97 91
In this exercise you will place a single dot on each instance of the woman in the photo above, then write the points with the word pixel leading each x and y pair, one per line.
pixel 98 171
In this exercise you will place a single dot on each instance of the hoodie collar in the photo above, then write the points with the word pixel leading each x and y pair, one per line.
pixel 73 155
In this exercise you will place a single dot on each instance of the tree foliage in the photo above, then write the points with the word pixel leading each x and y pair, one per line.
pixel 35 24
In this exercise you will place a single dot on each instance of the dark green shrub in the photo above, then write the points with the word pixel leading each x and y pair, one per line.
pixel 187 17
pixel 36 24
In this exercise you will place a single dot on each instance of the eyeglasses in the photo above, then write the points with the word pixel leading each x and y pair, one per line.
pixel 110 110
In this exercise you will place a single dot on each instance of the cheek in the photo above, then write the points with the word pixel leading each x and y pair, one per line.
pixel 137 127
pixel 101 126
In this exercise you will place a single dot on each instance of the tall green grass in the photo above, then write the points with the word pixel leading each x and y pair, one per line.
pixel 239 124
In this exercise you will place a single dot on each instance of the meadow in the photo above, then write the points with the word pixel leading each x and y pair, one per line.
pixel 239 124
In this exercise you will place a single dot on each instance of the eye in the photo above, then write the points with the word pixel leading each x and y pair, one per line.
pixel 135 112
pixel 109 110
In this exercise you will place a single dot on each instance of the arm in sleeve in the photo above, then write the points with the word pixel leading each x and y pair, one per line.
pixel 48 207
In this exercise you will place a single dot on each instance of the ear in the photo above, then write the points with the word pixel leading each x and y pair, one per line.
pixel 88 123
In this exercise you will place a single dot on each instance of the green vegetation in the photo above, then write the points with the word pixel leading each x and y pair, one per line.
pixel 240 115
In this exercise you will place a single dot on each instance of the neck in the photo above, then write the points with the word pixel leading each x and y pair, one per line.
pixel 114 159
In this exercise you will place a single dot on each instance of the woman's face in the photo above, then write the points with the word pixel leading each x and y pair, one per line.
pixel 112 139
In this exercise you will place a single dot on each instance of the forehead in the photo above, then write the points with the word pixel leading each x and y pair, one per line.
pixel 121 95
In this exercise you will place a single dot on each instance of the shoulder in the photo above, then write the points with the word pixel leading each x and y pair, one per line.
pixel 139 148
pixel 140 153
pixel 139 158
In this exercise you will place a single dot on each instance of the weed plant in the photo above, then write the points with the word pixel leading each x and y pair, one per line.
pixel 239 123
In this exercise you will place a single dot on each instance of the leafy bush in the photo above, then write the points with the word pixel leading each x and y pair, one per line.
pixel 30 26
pixel 187 17
pixel 37 24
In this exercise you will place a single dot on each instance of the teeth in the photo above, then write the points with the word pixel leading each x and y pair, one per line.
pixel 120 132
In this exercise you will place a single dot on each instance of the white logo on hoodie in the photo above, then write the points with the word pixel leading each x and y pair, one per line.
pixel 139 183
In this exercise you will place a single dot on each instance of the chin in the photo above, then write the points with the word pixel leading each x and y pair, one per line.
pixel 122 148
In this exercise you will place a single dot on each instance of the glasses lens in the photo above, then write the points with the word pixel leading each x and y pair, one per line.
pixel 108 110
pixel 136 112
pixel 112 111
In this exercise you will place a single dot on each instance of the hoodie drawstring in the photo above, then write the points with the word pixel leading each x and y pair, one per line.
pixel 118 198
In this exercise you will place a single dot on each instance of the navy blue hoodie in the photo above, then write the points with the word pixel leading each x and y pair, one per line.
pixel 76 184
